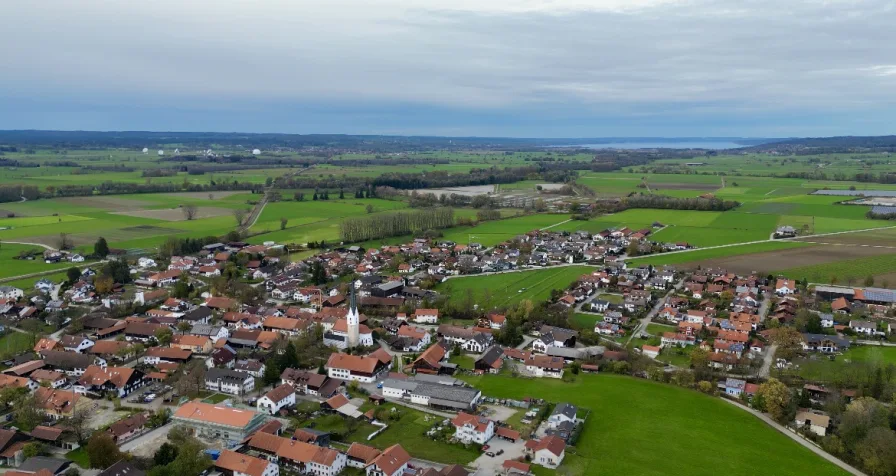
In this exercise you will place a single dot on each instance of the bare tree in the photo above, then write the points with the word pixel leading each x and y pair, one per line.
pixel 189 211
pixel 78 424
pixel 240 215
pixel 64 242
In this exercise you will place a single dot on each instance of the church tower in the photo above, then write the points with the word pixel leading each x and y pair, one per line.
pixel 352 320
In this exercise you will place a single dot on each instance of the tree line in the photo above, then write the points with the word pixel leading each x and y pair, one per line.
pixel 15 193
pixel 676 203
pixel 395 224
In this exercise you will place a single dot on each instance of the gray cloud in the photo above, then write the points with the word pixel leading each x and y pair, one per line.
pixel 617 58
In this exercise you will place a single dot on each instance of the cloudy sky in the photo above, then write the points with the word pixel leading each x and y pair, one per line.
pixel 559 68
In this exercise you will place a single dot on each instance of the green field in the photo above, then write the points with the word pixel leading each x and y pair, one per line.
pixel 14 343
pixel 642 427
pixel 698 254
pixel 17 267
pixel 502 290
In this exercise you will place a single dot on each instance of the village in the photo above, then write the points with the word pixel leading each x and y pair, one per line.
pixel 352 337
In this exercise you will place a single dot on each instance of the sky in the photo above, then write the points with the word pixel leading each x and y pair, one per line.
pixel 511 68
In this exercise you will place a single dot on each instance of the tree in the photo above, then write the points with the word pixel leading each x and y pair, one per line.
pixel 369 208
pixel 191 459
pixel 103 284
pixel 289 358
pixel 30 450
pixel 283 222
pixel 78 424
pixel 341 194
pixel 73 274
pixel 869 281
pixel 299 196
pixel 776 397
pixel 101 248
pixel 102 450
pixel 271 373
pixel 788 340
pixel 10 395
pixel 64 242
pixel 877 452
pixel 163 336
pixel 189 211
pixel 240 215
pixel 184 326
pixel 28 414
pixel 182 288
pixel 193 378
pixel 860 417
pixel 166 454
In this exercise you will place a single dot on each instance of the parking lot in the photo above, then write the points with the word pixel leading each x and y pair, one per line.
pixel 151 396
pixel 491 465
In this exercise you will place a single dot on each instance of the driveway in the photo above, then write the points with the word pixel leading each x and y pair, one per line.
pixel 490 465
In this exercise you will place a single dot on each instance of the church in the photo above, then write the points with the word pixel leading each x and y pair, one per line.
pixel 349 332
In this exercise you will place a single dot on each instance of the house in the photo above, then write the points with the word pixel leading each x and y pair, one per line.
pixel 563 413
pixel 784 287
pixel 122 468
pixel 359 456
pixel 432 394
pixel 56 403
pixel 472 428
pixel 545 366
pixel 174 355
pixel 867 328
pixel 354 367
pixel 229 381
pixel 311 383
pixel 282 396
pixel 118 381
pixel 69 362
pixel 47 344
pixel 550 336
pixel 127 428
pixel 815 422
pixel 651 351
pixel 393 461
pixel 512 467
pixel 491 360
pixel 824 343
pixel 426 316
pixel 11 293
pixel 735 387
pixel 434 360
pixel 213 421
pixel 51 378
pixel 548 451
pixel 298 455
pixel 231 463
pixel 195 344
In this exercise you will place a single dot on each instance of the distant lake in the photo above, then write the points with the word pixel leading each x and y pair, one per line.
pixel 661 145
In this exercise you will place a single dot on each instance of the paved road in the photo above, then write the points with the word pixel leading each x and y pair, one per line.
pixel 767 361
pixel 793 436
pixel 642 326
pixel 146 437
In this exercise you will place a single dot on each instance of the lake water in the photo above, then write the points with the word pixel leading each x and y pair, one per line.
pixel 662 145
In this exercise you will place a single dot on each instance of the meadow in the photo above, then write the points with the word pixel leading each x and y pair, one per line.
pixel 642 427
pixel 504 289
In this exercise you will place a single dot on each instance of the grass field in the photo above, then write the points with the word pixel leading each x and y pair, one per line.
pixel 699 255
pixel 17 267
pixel 852 271
pixel 14 343
pixel 501 290
pixel 644 428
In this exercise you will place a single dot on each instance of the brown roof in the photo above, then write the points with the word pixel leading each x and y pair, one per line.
pixel 382 355
pixel 337 401
pixel 221 415
pixel 293 450
pixel 47 433
pixel 551 443
pixel 221 303
pixel 169 353
pixel 234 462
pixel 353 363
pixel 143 328
pixel 13 382
pixel 391 459
pixel 191 340
pixel 432 356
pixel 96 375
pixel 59 401
pixel 516 465
pixel 46 344
pixel 48 375
pixel 280 392
pixel 477 422
pixel 362 452
pixel 129 424
pixel 284 323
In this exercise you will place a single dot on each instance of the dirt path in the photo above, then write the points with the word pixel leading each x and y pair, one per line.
pixel 48 247
pixel 556 224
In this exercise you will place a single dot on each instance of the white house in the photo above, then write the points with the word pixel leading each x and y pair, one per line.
pixel 827 320
pixel 563 413
pixel 473 429
pixel 784 287
pixel 12 293
pixel 77 344
pixel 548 451
pixel 280 397
pixel 353 367
pixel 76 258
pixel 545 366
pixel 863 327
pixel 229 381
pixel 426 316
pixel 393 461
pixel 144 262
pixel 816 423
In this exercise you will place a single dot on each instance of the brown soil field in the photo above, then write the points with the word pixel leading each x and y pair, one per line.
pixel 204 195
pixel 177 214
pixel 792 258
pixel 108 203
pixel 870 238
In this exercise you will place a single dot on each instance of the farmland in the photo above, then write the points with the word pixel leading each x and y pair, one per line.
pixel 624 409
pixel 510 287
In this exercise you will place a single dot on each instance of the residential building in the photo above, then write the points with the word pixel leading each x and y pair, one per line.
pixel 815 422
pixel 282 396
pixel 231 463
pixel 393 461
pixel 354 367
pixel 563 413
pixel 472 428
pixel 117 381
pixel 228 381
pixel 213 421
pixel 548 451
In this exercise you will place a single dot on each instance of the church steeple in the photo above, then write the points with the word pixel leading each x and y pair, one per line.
pixel 353 320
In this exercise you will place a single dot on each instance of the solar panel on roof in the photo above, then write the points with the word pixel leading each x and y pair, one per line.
pixel 856 193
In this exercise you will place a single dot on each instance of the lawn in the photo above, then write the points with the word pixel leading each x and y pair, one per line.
pixel 643 427
pixel 10 267
pixel 79 456
pixel 463 361
pixel 713 253
pixel 501 290
pixel 14 343
pixel 493 232
pixel 581 320
pixel 216 398
pixel 410 431
pixel 871 353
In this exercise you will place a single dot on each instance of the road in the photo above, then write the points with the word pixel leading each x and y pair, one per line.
pixel 518 270
pixel 50 271
pixel 793 436
pixel 642 326
pixel 146 438
pixel 767 361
